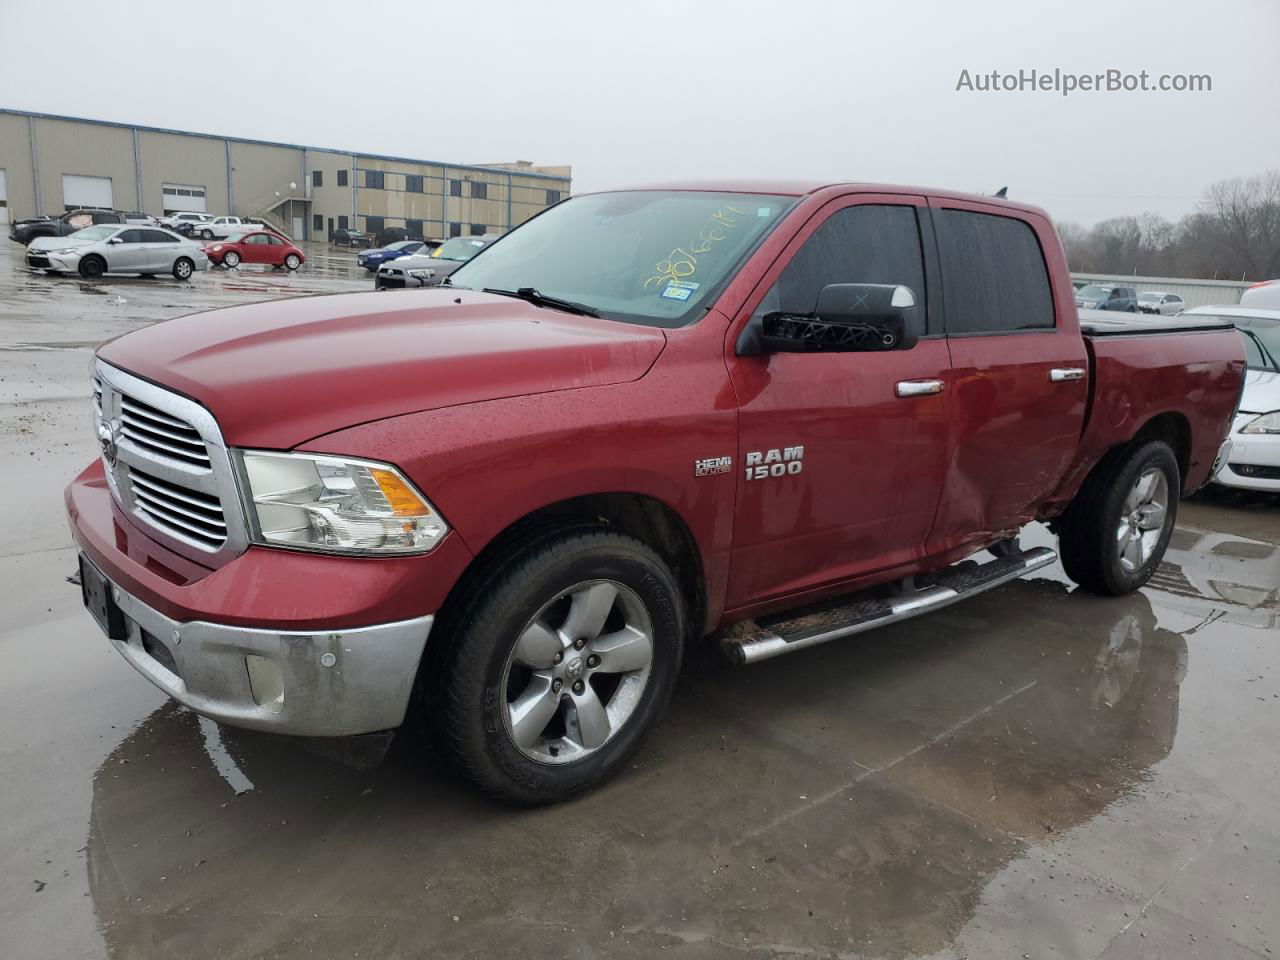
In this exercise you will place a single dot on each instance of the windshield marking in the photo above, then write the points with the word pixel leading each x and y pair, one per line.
pixel 680 263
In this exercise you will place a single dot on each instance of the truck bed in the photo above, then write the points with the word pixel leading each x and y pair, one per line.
pixel 1184 373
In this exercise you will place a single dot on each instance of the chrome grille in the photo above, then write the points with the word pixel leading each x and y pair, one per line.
pixel 161 434
pixel 167 466
pixel 183 511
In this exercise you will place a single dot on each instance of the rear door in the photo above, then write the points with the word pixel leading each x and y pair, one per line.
pixel 839 473
pixel 1019 369
pixel 161 250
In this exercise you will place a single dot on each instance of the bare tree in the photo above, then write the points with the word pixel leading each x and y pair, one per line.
pixel 1234 233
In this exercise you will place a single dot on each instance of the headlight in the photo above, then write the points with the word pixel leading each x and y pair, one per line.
pixel 217 247
pixel 1267 423
pixel 65 253
pixel 338 505
pixel 422 274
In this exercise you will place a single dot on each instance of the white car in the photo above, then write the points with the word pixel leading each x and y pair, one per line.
pixel 1157 301
pixel 219 228
pixel 1253 461
pixel 117 248
pixel 1265 294
pixel 185 219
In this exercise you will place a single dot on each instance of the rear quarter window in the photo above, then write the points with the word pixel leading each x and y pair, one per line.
pixel 994 274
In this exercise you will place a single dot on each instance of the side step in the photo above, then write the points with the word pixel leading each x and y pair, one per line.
pixel 754 640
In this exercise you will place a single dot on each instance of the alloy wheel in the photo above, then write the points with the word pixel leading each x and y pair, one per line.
pixel 1142 519
pixel 577 672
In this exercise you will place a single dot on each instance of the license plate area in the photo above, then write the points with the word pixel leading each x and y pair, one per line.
pixel 96 593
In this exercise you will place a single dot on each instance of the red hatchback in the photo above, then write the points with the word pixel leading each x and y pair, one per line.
pixel 259 247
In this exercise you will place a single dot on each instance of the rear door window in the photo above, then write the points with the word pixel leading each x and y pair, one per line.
pixel 994 274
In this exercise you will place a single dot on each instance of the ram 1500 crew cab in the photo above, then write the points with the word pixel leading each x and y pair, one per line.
pixel 772 413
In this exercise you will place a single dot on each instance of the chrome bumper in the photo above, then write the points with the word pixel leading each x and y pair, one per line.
pixel 321 684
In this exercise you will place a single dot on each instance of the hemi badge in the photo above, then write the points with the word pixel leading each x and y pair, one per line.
pixel 711 466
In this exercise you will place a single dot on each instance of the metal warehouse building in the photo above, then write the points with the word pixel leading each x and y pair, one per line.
pixel 49 164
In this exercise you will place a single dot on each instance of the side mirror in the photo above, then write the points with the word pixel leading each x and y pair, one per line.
pixel 115 240
pixel 849 317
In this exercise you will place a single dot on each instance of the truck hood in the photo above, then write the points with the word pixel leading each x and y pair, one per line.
pixel 281 373
pixel 1261 391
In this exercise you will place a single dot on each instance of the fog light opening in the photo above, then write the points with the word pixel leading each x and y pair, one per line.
pixel 266 683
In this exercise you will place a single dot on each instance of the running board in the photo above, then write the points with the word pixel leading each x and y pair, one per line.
pixel 754 640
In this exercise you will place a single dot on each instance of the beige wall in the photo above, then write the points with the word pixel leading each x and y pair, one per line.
pixel 191 161
pixel 87 149
pixel 15 160
pixel 258 171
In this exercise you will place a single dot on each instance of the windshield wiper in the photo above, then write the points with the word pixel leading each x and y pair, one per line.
pixel 530 295
pixel 1262 348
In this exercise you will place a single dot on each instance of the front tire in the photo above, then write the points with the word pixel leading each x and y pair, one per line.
pixel 1115 532
pixel 92 267
pixel 564 660
pixel 206 234
pixel 231 259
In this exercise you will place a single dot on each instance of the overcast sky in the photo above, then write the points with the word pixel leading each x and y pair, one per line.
pixel 631 92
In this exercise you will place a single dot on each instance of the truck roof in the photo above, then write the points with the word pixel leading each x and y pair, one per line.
pixel 800 188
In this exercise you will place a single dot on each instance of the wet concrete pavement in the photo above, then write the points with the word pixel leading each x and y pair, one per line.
pixel 1034 773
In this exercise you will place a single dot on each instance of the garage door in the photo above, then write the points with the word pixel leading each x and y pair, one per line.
pixel 179 197
pixel 4 199
pixel 86 192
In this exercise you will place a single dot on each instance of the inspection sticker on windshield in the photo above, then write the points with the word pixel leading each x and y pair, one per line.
pixel 687 284
pixel 673 292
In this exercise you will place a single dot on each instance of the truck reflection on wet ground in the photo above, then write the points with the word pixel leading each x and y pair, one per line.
pixel 1004 763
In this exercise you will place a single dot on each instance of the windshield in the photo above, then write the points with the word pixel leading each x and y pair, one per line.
pixel 234 238
pixel 100 232
pixel 459 248
pixel 644 256
pixel 1262 349
pixel 1261 336
pixel 402 244
pixel 1149 297
pixel 1093 292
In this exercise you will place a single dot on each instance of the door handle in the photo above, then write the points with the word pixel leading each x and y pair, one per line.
pixel 918 388
pixel 1059 374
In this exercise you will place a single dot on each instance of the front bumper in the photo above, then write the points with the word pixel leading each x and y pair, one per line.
pixel 1254 460
pixel 44 260
pixel 192 630
pixel 312 683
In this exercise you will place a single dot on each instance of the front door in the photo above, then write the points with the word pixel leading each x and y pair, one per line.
pixel 256 248
pixel 1019 366
pixel 838 474
pixel 127 252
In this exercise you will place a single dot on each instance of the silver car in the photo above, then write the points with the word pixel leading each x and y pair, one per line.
pixel 117 248
pixel 1157 301
pixel 428 270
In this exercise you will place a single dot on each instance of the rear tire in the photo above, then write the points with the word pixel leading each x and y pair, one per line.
pixel 292 261
pixel 92 267
pixel 1113 535
pixel 562 663
pixel 183 268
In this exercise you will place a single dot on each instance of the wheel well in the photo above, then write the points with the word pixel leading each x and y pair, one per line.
pixel 648 520
pixel 1174 430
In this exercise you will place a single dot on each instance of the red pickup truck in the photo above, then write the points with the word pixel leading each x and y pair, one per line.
pixel 773 413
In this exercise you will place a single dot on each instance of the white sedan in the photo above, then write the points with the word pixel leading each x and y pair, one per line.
pixel 1253 461
pixel 117 248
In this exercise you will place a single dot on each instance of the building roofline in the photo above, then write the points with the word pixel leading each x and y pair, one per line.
pixel 276 143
